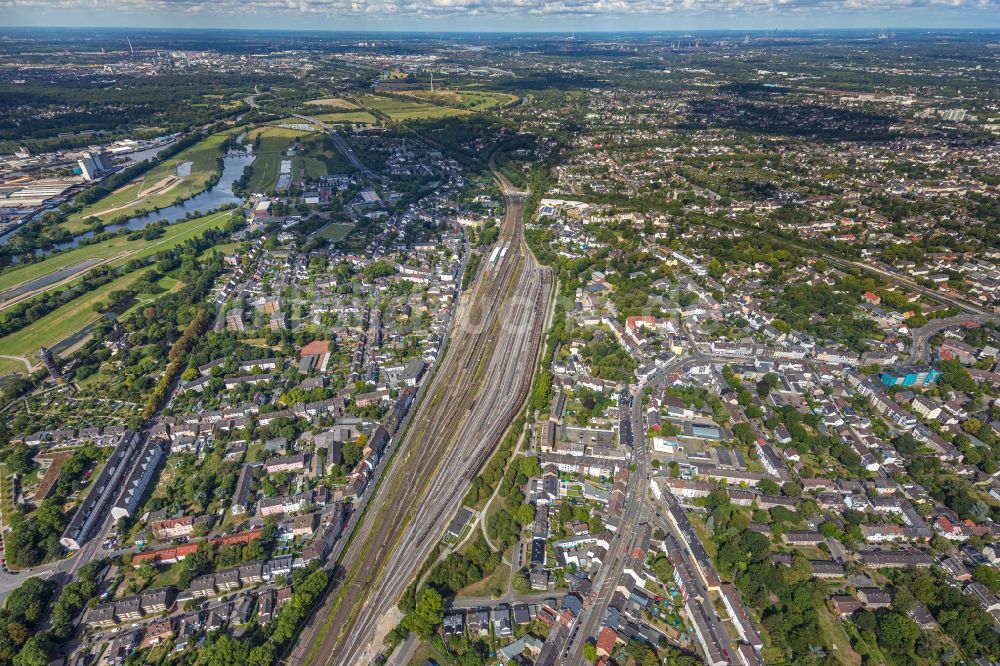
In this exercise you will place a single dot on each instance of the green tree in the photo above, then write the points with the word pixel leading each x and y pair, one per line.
pixel 595 525
pixel 897 632
pixel 744 432
pixel 953 374
pixel 225 651
pixel 972 426
pixel 769 487
pixel 530 466
pixel 27 602
pixel 427 615
pixel 19 459
pixel 641 654
pixel 988 576
pixel 524 514
pixel 801 570
pixel 35 652
pixel 145 571
pixel 380 268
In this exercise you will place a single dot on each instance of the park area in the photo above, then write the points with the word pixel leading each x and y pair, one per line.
pixel 271 146
pixel 64 321
pixel 178 178
pixel 73 316
pixel 333 103
pixel 342 117
pixel 400 110
pixel 473 100
pixel 318 156
pixel 115 251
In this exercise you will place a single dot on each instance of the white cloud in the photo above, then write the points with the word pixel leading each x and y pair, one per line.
pixel 458 8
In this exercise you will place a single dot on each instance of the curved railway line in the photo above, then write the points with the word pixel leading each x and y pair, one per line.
pixel 483 381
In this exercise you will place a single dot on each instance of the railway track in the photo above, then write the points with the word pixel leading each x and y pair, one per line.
pixel 541 298
pixel 470 444
pixel 484 379
pixel 485 450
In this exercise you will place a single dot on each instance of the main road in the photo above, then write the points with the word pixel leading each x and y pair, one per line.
pixel 474 395
pixel 633 436
pixel 340 143
pixel 920 348
pixel 620 548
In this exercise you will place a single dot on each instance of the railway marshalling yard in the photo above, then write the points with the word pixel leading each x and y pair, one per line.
pixel 475 394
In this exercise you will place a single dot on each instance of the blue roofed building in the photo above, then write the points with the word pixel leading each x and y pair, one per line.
pixel 910 377
pixel 704 431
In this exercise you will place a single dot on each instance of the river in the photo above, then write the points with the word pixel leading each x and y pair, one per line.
pixel 218 195
pixel 141 155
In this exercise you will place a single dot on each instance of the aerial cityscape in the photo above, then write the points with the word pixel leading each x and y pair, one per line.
pixel 663 346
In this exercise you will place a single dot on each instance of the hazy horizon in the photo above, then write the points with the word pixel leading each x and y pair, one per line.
pixel 464 32
pixel 509 16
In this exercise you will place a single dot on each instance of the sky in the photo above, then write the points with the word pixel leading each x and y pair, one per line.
pixel 505 15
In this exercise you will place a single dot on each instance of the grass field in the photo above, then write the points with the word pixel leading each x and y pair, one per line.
pixel 317 157
pixel 274 141
pixel 115 251
pixel 75 316
pixel 119 197
pixel 333 103
pixel 8 366
pixel 426 112
pixel 345 117
pixel 167 576
pixel 161 185
pixel 400 110
pixel 436 97
pixel 481 100
pixel 473 100
pixel 359 117
pixel 335 232
pixel 168 283
pixel 64 321
pixel 834 631
pixel 313 166
pixel 485 587
pixel 424 654
pixel 225 248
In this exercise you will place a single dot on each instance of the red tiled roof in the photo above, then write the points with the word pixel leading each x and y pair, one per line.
pixel 166 554
pixel 241 538
pixel 606 640
pixel 182 551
